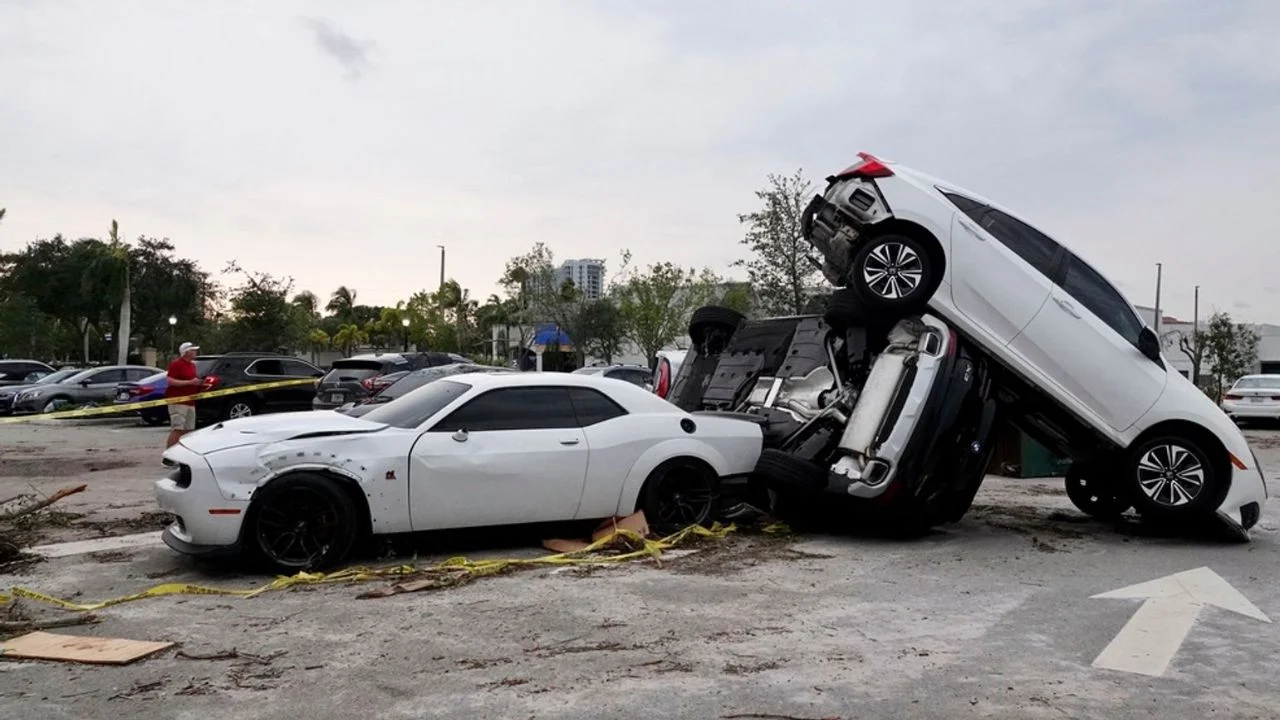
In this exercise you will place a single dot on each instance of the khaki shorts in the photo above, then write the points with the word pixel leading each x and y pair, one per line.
pixel 182 417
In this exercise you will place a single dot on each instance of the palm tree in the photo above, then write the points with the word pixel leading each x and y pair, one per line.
pixel 342 304
pixel 110 265
pixel 349 337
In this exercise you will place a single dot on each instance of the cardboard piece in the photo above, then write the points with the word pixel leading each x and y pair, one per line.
pixel 564 546
pixel 634 522
pixel 72 648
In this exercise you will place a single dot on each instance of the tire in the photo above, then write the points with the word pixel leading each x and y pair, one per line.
pixel 238 408
pixel 894 273
pixel 782 470
pixel 1170 477
pixel 298 503
pixel 679 493
pixel 1092 496
pixel 51 405
pixel 713 318
pixel 845 310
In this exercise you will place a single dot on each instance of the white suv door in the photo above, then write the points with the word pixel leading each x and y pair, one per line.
pixel 1085 341
pixel 1000 268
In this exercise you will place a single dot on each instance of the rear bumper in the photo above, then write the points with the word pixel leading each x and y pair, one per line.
pixel 1235 409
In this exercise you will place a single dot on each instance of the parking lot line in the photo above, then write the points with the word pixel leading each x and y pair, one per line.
pixel 81 547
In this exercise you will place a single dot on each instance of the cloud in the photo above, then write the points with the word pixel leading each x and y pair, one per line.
pixel 352 53
pixel 1136 133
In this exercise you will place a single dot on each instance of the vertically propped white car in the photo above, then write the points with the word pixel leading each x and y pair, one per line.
pixel 298 489
pixel 1081 371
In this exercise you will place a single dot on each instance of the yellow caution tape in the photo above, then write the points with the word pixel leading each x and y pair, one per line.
pixel 453 570
pixel 132 406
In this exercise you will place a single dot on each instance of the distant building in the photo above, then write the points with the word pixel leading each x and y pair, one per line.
pixel 586 274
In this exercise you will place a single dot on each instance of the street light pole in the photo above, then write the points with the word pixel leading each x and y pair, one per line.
pixel 1159 272
pixel 441 265
pixel 404 322
pixel 172 322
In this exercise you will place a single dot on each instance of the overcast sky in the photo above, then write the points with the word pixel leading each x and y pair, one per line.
pixel 340 142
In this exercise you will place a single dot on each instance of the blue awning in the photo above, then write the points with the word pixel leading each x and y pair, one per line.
pixel 549 335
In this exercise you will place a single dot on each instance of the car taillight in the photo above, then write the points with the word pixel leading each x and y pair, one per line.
pixel 367 383
pixel 210 382
pixel 136 391
pixel 664 379
pixel 1229 396
pixel 870 167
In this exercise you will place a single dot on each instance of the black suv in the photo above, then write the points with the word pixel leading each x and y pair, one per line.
pixel 22 372
pixel 238 369
pixel 352 379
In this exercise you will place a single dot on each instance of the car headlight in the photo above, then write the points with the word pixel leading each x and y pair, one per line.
pixel 29 395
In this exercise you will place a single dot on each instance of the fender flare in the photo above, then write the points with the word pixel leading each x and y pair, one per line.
pixel 666 450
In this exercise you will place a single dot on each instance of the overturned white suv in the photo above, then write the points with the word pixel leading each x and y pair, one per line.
pixel 1075 366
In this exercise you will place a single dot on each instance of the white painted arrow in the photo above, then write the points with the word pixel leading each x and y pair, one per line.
pixel 1147 643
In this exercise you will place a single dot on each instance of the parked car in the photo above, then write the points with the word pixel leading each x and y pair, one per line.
pixel 1075 365
pixel 899 419
pixel 88 388
pixel 239 369
pixel 480 449
pixel 147 389
pixel 10 393
pixel 355 378
pixel 634 374
pixel 22 372
pixel 412 381
pixel 1253 397
pixel 665 371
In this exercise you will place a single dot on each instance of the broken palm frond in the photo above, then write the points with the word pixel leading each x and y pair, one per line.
pixel 17 626
pixel 39 504
pixel 620 546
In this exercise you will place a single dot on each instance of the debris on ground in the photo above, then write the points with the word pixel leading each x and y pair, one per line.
pixel 17 516
pixel 42 645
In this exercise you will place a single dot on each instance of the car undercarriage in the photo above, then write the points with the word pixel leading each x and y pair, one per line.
pixel 897 419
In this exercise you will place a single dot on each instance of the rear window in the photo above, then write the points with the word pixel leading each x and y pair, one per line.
pixel 418 406
pixel 1270 383
pixel 353 370
pixel 204 367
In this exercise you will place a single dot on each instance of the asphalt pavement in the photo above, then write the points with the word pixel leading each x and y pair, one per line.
pixel 996 616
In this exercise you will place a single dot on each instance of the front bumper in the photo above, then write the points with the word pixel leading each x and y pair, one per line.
pixel 204 520
pixel 1242 508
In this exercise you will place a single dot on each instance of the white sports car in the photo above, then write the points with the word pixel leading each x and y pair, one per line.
pixel 299 489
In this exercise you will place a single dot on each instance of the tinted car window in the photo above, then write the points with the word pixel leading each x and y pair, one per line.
pixel 1038 249
pixel 1084 284
pixel 266 367
pixel 135 374
pixel 972 208
pixel 635 377
pixel 417 407
pixel 204 366
pixel 520 408
pixel 592 406
pixel 58 376
pixel 297 368
pixel 115 375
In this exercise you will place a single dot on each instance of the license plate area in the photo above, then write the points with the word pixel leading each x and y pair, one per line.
pixel 1256 399
pixel 336 397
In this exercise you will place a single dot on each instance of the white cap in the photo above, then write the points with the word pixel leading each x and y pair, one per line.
pixel 184 347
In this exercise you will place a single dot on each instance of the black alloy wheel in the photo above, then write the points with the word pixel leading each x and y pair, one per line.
pixel 678 494
pixel 304 522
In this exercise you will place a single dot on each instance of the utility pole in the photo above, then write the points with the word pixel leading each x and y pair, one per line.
pixel 441 265
pixel 1195 315
pixel 1159 272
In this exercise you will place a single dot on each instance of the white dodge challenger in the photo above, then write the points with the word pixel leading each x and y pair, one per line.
pixel 298 490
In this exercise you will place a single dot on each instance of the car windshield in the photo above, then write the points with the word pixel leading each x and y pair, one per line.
pixel 418 406
pixel 1270 382
pixel 418 378
pixel 57 376
pixel 588 371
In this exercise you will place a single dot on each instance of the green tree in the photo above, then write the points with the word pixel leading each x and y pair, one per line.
pixel 601 326
pixel 656 305
pixel 261 315
pixel 342 304
pixel 779 268
pixel 349 337
pixel 319 341
pixel 1231 348
pixel 737 296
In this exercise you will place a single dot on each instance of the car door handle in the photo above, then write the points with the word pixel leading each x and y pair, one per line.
pixel 570 441
pixel 1067 307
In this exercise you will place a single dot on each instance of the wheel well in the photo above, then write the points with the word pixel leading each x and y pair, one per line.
pixel 898 226
pixel 349 486
pixel 697 461
pixel 1198 434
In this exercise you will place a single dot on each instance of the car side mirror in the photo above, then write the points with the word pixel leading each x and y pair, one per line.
pixel 1149 345
pixel 85 383
pixel 460 436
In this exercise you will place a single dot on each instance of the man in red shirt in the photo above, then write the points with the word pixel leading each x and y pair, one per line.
pixel 182 382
